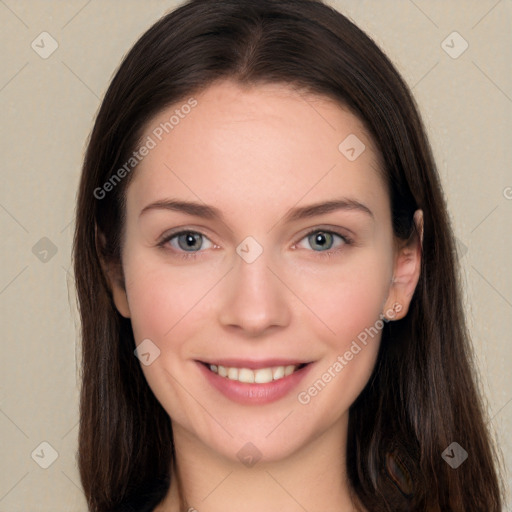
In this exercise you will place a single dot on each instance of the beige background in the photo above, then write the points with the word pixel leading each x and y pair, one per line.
pixel 48 106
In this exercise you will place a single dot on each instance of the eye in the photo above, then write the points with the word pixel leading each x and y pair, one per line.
pixel 186 243
pixel 324 241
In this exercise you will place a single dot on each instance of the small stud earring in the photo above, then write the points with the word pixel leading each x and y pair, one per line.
pixel 396 309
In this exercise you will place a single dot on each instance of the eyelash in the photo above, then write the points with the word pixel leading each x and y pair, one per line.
pixel 193 255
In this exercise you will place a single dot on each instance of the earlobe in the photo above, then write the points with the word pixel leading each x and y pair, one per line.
pixel 406 273
pixel 120 297
pixel 114 277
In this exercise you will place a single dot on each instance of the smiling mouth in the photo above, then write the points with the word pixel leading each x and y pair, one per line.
pixel 256 376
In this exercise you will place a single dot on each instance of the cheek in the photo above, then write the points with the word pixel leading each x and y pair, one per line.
pixel 349 300
pixel 166 307
pixel 163 296
pixel 352 310
pixel 347 297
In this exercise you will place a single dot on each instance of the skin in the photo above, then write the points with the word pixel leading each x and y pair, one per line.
pixel 254 154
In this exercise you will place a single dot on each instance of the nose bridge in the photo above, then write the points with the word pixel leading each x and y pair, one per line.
pixel 254 298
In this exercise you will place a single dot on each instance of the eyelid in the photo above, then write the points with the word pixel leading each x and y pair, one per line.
pixel 168 235
pixel 183 229
pixel 342 232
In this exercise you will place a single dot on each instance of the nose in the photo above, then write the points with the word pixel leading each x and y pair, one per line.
pixel 254 299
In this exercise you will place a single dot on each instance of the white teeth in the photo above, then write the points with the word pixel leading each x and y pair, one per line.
pixel 259 376
pixel 289 370
pixel 278 372
pixel 245 375
pixel 263 375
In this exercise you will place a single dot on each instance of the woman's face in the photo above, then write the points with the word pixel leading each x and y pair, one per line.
pixel 261 280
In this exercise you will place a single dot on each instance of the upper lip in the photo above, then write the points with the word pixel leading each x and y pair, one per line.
pixel 253 364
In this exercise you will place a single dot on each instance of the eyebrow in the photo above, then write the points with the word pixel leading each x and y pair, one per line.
pixel 294 214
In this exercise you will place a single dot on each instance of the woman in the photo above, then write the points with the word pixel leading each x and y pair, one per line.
pixel 269 296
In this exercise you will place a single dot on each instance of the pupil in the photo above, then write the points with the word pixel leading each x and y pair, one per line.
pixel 190 240
pixel 321 239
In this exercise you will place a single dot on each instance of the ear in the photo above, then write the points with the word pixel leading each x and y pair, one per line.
pixel 406 273
pixel 114 275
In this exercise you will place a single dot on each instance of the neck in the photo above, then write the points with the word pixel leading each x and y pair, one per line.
pixel 311 478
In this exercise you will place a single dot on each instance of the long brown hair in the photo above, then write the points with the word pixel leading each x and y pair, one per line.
pixel 423 393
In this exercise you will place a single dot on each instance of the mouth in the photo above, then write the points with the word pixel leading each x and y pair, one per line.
pixel 254 382
pixel 262 375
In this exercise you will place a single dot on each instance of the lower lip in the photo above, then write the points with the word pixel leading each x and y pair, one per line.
pixel 245 393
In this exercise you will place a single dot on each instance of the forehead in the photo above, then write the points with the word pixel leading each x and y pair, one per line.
pixel 260 147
